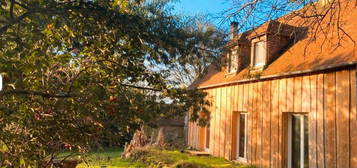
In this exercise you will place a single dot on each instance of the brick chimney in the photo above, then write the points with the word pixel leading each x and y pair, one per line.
pixel 233 30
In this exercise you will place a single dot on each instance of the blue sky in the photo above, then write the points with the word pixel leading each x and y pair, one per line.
pixel 202 7
pixel 193 7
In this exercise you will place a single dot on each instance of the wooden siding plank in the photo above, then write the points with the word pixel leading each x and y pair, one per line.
pixel 266 150
pixel 253 110
pixel 213 125
pixel 248 103
pixel 282 109
pixel 233 129
pixel 320 130
pixel 211 136
pixel 255 122
pixel 222 121
pixel 342 114
pixel 290 94
pixel 330 122
pixel 240 97
pixel 197 134
pixel 297 94
pixel 193 135
pixel 284 116
pixel 353 119
pixel 228 120
pixel 259 124
pixel 188 136
pixel 305 94
pixel 202 135
pixel 218 122
pixel 216 126
pixel 234 135
pixel 251 125
pixel 275 124
pixel 236 95
pixel 215 137
pixel 312 122
pixel 282 95
pixel 245 109
pixel 245 106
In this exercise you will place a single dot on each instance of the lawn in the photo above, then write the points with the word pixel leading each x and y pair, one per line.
pixel 148 158
pixel 109 157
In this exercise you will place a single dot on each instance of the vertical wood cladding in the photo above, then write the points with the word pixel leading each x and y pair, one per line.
pixel 328 98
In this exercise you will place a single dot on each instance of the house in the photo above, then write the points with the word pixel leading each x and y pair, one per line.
pixel 286 97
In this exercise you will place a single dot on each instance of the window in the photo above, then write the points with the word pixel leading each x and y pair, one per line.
pixel 242 136
pixel 233 61
pixel 259 54
pixel 298 141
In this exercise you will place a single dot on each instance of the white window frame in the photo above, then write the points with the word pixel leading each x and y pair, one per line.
pixel 302 137
pixel 242 159
pixel 231 68
pixel 255 54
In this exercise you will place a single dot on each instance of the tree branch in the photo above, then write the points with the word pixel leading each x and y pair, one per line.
pixel 12 8
pixel 21 5
pixel 15 21
pixel 140 87
pixel 34 93
pixel 63 95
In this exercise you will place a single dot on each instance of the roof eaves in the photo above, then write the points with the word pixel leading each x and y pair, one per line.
pixel 288 74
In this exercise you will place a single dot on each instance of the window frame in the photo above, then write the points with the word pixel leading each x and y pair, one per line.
pixel 253 53
pixel 238 157
pixel 233 51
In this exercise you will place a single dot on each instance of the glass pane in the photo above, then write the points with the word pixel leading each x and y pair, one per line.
pixel 259 52
pixel 242 120
pixel 296 141
pixel 306 144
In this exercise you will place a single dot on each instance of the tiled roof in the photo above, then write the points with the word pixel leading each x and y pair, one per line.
pixel 317 50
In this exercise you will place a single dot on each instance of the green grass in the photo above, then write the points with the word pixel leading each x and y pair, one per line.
pixel 205 161
pixel 170 158
pixel 108 157
pixel 150 158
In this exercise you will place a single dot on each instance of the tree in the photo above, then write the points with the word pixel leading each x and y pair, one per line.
pixel 72 68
